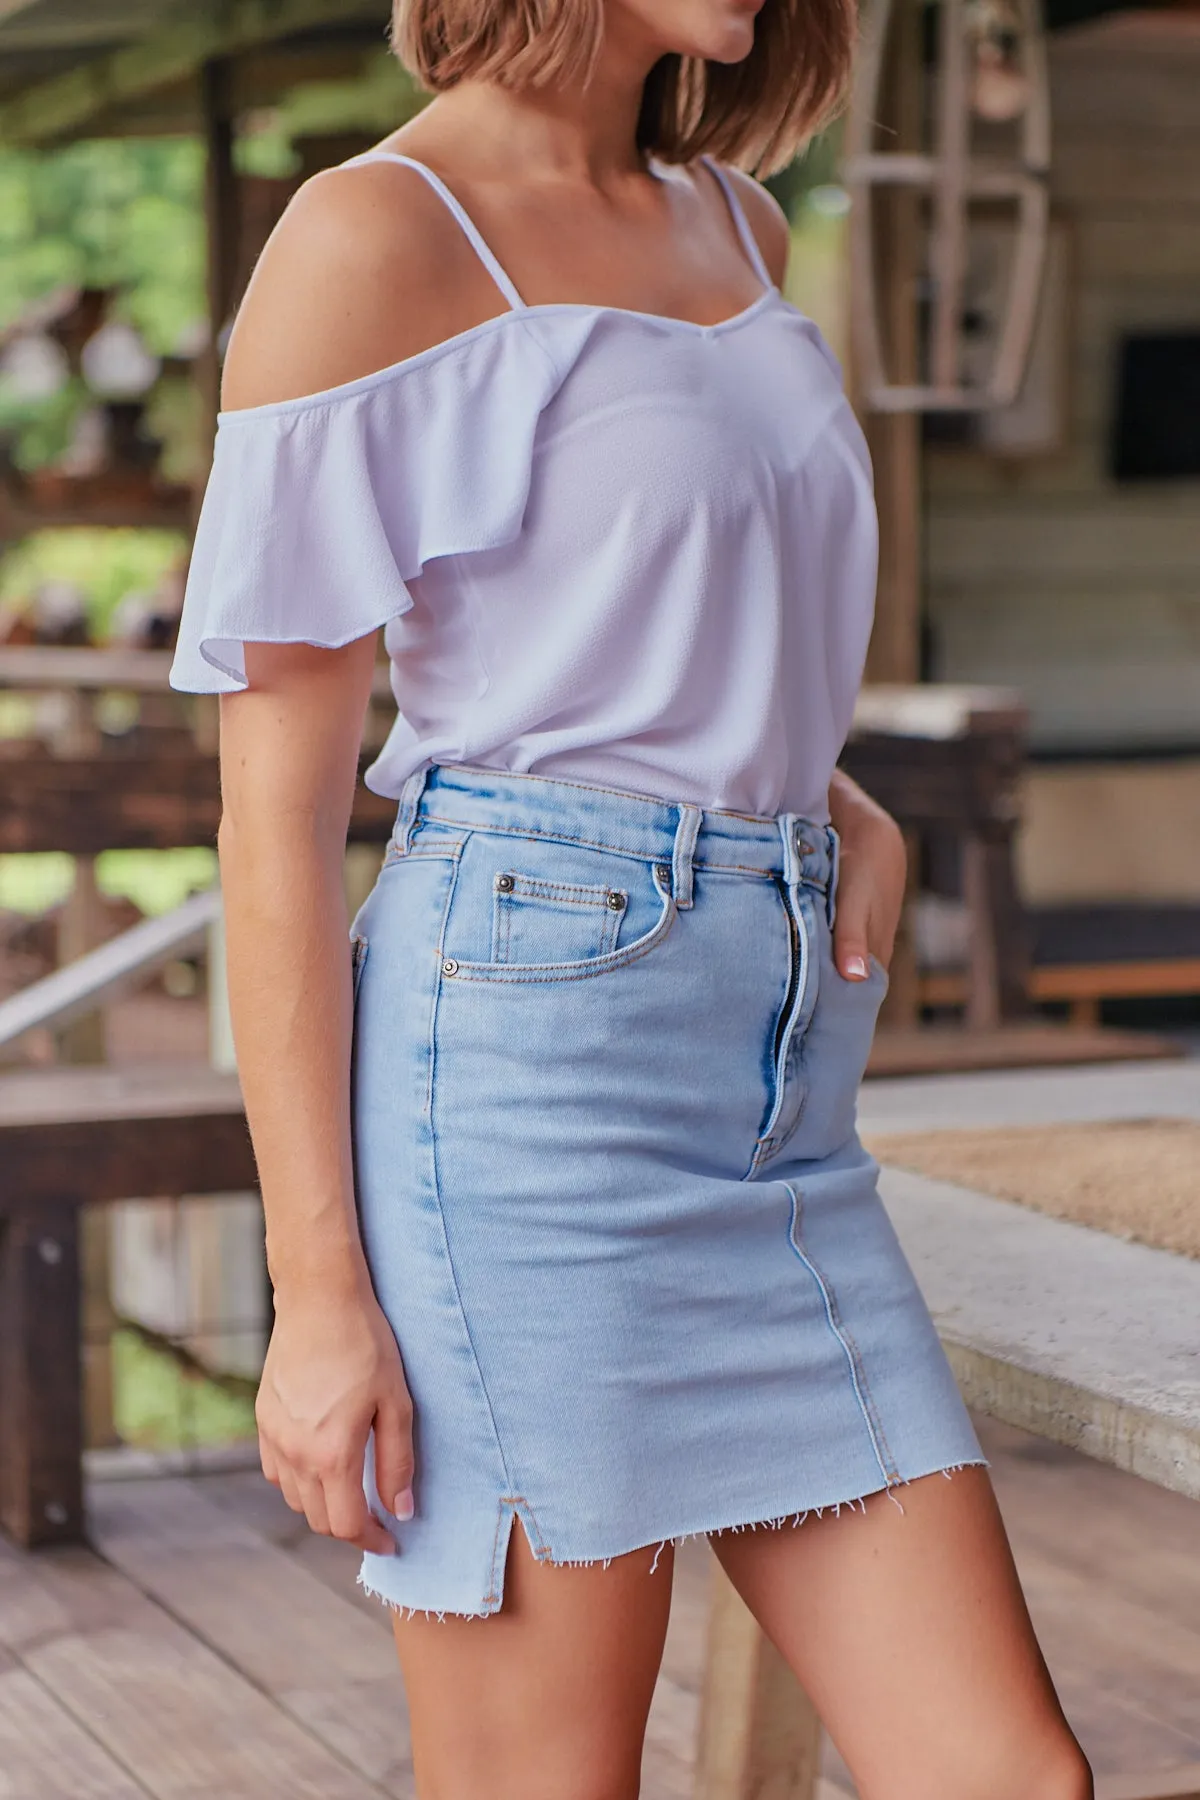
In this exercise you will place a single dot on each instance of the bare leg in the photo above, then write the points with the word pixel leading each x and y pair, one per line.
pixel 910 1633
pixel 548 1699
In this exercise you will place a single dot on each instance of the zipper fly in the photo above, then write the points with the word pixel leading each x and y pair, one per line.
pixel 797 981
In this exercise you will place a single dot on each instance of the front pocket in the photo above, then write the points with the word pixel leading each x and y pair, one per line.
pixel 540 921
pixel 568 935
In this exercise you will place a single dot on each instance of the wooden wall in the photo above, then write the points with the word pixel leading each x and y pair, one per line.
pixel 1046 574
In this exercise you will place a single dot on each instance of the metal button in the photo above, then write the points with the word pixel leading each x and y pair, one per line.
pixel 803 846
pixel 663 871
pixel 449 967
pixel 616 901
pixel 505 884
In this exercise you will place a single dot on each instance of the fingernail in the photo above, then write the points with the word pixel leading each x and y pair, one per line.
pixel 856 968
pixel 403 1508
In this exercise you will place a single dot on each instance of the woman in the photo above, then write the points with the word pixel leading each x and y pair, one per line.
pixel 520 387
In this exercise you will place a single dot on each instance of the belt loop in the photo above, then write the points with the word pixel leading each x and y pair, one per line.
pixel 686 833
pixel 835 852
pixel 789 831
pixel 406 815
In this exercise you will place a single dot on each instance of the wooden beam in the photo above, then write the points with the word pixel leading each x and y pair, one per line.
pixel 132 802
pixel 62 106
pixel 75 1137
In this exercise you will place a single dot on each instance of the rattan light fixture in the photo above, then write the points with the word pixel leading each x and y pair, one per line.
pixel 973 149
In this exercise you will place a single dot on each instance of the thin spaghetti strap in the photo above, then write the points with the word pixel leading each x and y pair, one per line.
pixel 749 241
pixel 455 207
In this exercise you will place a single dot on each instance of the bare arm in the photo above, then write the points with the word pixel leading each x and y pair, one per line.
pixel 322 309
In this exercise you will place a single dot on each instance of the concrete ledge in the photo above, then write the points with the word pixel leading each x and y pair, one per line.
pixel 1063 1331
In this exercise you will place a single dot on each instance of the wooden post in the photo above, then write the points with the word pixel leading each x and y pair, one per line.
pixel 84 927
pixel 41 1425
pixel 895 653
pixel 895 438
pixel 221 224
pixel 759 1735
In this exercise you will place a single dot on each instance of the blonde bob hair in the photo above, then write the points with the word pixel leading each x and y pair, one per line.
pixel 756 113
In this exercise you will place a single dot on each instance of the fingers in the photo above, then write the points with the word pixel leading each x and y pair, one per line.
pixel 332 1502
pixel 312 1499
pixel 394 1458
pixel 351 1520
pixel 851 951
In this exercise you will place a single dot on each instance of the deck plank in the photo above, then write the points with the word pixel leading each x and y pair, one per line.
pixel 671 1733
pixel 46 1755
pixel 313 1653
pixel 150 1694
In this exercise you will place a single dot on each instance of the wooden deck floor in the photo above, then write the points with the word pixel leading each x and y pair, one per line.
pixel 210 1647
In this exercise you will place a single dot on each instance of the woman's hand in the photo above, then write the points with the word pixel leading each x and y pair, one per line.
pixel 333 1373
pixel 871 879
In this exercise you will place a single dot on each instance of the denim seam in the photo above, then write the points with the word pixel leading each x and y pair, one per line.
pixel 437 989
pixel 450 1265
pixel 592 787
pixel 447 853
pixel 533 835
pixel 858 1376
pixel 558 893
pixel 493 1599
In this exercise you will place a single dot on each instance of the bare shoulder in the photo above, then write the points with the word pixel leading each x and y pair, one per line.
pixel 767 221
pixel 365 268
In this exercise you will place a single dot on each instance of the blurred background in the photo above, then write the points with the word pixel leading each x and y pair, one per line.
pixel 1002 243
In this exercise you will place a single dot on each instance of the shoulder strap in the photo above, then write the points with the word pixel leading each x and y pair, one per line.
pixel 749 241
pixel 456 208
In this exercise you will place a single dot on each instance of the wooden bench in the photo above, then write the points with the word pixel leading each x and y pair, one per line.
pixel 1081 986
pixel 949 760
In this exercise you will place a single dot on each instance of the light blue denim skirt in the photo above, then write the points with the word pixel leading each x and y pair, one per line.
pixel 611 1192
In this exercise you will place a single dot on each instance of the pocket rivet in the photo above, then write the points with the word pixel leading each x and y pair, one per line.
pixel 616 901
pixel 663 871
pixel 449 967
pixel 505 884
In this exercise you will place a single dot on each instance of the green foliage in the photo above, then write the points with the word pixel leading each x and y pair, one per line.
pixel 32 884
pixel 106 563
pixel 379 100
pixel 155 880
pixel 119 212
pixel 42 429
pixel 162 1407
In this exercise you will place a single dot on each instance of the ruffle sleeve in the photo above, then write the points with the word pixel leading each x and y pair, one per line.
pixel 320 511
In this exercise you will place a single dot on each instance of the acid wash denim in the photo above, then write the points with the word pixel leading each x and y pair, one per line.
pixel 611 1193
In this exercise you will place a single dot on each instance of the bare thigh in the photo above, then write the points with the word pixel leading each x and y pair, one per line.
pixel 910 1633
pixel 548 1698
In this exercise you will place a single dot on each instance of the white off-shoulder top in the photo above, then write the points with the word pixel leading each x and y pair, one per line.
pixel 605 545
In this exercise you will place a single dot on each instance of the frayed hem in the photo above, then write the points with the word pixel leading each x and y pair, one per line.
pixel 778 1523
pixel 438 1615
pixel 793 1520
